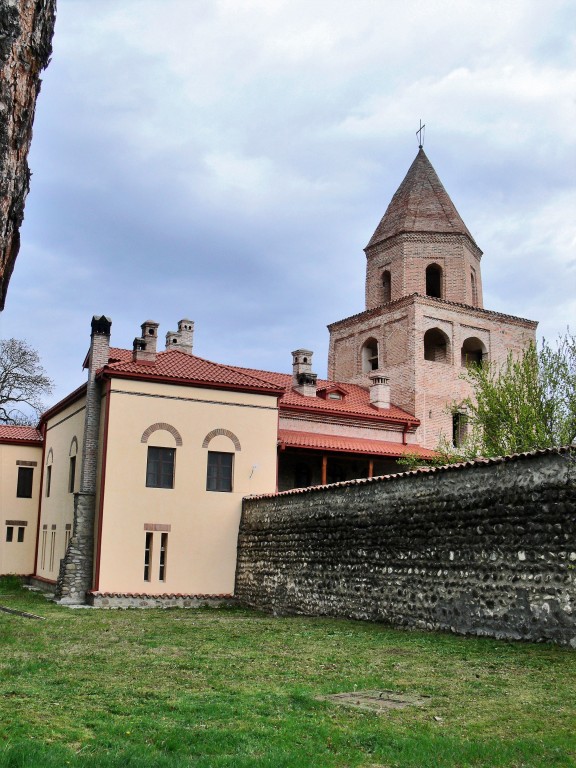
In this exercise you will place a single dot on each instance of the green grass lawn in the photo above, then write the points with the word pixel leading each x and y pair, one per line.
pixel 229 687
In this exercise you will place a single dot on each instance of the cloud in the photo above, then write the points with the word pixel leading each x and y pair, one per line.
pixel 228 162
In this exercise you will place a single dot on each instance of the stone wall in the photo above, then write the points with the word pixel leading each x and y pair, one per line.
pixel 482 548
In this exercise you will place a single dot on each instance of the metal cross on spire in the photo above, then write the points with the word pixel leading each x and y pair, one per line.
pixel 419 134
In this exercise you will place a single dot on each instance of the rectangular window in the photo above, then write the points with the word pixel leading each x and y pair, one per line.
pixel 52 548
pixel 147 556
pixel 160 467
pixel 459 429
pixel 48 479
pixel 21 530
pixel 219 475
pixel 24 487
pixel 72 474
pixel 43 555
pixel 67 535
pixel 9 533
pixel 163 556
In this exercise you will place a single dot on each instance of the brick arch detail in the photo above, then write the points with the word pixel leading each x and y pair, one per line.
pixel 226 433
pixel 50 457
pixel 73 447
pixel 161 425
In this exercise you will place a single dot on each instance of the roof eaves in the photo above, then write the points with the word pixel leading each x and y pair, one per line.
pixel 109 372
pixel 378 416
pixel 34 443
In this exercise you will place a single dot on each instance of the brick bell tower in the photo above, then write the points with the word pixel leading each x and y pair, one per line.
pixel 424 318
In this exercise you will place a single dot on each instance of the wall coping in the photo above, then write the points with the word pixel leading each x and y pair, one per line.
pixel 512 457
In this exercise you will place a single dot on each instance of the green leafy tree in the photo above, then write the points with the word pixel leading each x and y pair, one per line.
pixel 23 383
pixel 528 403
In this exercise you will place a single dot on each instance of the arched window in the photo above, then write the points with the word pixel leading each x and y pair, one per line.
pixel 72 453
pixel 386 286
pixel 220 463
pixel 436 346
pixel 370 356
pixel 474 288
pixel 162 441
pixel 434 281
pixel 473 352
pixel 49 462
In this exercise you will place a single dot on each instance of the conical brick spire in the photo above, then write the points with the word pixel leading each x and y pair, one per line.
pixel 421 204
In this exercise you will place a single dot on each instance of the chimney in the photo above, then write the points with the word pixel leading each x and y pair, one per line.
pixel 77 566
pixel 303 380
pixel 379 390
pixel 181 339
pixel 99 344
pixel 144 347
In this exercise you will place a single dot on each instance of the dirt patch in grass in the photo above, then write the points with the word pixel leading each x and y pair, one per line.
pixel 377 701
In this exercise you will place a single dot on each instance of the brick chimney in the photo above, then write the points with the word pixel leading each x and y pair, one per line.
pixel 181 339
pixel 379 390
pixel 144 346
pixel 303 380
pixel 75 576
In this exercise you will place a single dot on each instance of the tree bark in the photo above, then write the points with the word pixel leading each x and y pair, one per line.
pixel 26 29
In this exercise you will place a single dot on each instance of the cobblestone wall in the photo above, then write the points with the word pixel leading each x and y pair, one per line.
pixel 486 548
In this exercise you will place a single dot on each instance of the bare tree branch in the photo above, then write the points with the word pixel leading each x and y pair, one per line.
pixel 23 383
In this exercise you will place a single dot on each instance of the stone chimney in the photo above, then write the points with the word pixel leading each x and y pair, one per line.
pixel 181 339
pixel 75 576
pixel 379 390
pixel 144 346
pixel 303 380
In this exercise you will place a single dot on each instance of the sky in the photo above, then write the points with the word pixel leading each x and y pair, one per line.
pixel 228 160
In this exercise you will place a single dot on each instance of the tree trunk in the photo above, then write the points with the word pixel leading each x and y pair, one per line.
pixel 26 29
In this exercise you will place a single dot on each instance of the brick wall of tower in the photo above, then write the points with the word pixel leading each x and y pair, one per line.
pixel 439 385
pixel 422 387
pixel 394 329
pixel 408 255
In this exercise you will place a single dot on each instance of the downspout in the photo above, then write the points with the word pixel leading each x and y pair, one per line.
pixel 405 434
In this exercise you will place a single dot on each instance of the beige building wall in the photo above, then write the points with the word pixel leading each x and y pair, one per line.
pixel 63 440
pixel 18 514
pixel 201 525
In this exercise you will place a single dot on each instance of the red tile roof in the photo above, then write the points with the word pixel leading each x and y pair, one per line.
pixel 119 355
pixel 11 434
pixel 338 443
pixel 180 367
pixel 356 400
